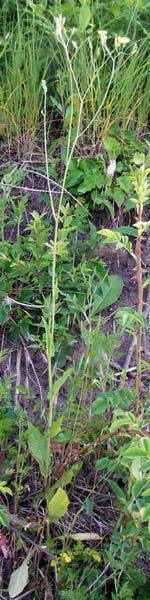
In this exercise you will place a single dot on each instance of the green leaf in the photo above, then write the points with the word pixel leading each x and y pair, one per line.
pixel 126 230
pixel 4 518
pixel 4 312
pixel 112 146
pixel 119 423
pixel 146 492
pixel 138 487
pixel 4 489
pixel 146 445
pixel 38 447
pixel 146 515
pixel 134 451
pixel 131 203
pixel 110 292
pixel 118 196
pixel 118 491
pixel 138 158
pixel 58 505
pixel 99 405
pixel 56 427
pixel 102 463
pixel 59 382
pixel 136 468
pixel 18 580
pixel 70 473
pixel 66 478
pixel 125 183
pixel 112 236
pixel 73 178
pixel 109 206
pixel 84 15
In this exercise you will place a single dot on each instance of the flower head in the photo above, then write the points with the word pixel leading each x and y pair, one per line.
pixel 60 21
pixel 121 41
pixel 103 36
pixel 111 167
pixel 66 557
pixel 44 86
pixel 53 563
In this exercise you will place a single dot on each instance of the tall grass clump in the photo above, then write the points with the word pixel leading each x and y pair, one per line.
pixel 26 56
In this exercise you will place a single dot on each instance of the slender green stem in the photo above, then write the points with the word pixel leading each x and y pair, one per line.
pixel 140 302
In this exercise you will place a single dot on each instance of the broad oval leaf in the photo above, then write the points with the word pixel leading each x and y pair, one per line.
pixel 18 580
pixel 58 505
pixel 99 405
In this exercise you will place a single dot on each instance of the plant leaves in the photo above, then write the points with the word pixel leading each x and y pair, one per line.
pixel 84 15
pixel 138 487
pixel 59 382
pixel 101 463
pixel 56 427
pixel 38 446
pixel 99 405
pixel 110 292
pixel 112 146
pixel 118 196
pixel 118 491
pixel 18 580
pixel 4 518
pixel 58 505
pixel 125 183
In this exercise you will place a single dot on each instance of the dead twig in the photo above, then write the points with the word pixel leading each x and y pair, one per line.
pixel 131 350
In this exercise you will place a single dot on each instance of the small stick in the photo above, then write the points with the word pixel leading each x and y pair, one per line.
pixel 132 345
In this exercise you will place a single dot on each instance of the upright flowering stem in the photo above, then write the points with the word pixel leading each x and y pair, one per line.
pixel 141 187
pixel 140 302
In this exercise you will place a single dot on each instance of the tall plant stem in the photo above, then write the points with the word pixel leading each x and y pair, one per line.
pixel 50 326
pixel 140 302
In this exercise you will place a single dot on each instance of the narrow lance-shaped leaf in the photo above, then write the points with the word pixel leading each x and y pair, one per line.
pixel 38 447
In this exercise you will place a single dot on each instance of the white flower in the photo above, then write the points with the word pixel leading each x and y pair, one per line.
pixel 111 167
pixel 60 21
pixel 121 41
pixel 44 86
pixel 75 45
pixel 103 36
pixel 134 49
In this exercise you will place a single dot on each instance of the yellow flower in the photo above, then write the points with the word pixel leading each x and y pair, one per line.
pixel 53 563
pixel 96 556
pixel 66 557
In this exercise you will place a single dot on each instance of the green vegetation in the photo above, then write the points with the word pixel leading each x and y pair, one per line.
pixel 74 300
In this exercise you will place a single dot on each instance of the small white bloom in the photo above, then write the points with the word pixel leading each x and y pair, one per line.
pixel 75 45
pixel 121 41
pixel 111 167
pixel 103 36
pixel 134 49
